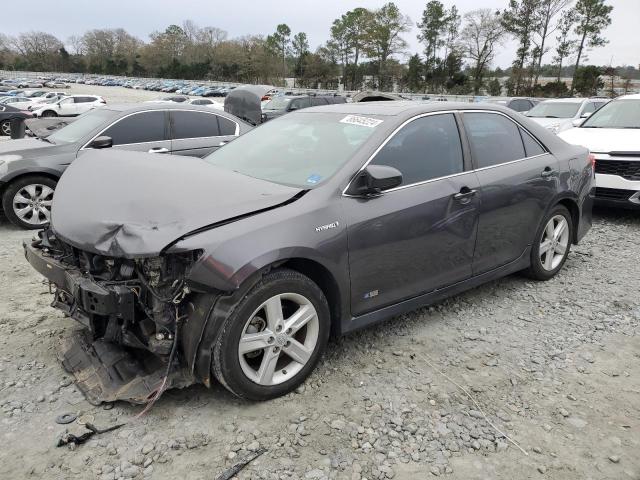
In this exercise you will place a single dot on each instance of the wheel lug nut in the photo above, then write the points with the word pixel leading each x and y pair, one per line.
pixel 288 331
pixel 287 344
pixel 279 328
pixel 276 349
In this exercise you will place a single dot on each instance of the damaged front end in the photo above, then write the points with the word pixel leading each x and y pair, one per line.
pixel 133 310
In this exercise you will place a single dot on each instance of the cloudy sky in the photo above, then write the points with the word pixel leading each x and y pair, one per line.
pixel 242 17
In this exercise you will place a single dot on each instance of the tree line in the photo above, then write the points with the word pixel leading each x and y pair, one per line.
pixel 367 48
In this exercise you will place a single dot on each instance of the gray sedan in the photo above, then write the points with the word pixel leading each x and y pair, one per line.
pixel 325 220
pixel 30 167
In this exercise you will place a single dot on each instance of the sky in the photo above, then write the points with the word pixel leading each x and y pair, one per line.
pixel 243 17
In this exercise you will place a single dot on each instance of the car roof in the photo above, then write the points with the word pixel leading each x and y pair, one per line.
pixel 402 107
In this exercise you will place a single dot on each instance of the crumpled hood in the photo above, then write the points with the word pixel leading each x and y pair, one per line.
pixel 130 204
pixel 23 147
pixel 604 140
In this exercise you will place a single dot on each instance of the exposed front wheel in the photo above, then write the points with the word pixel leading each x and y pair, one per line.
pixel 273 338
pixel 27 201
pixel 551 245
pixel 49 113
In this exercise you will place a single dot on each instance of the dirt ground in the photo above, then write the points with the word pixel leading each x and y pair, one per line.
pixel 555 366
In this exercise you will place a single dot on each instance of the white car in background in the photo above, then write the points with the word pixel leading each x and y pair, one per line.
pixel 612 134
pixel 70 106
pixel 559 114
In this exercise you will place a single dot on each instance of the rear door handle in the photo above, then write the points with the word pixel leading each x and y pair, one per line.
pixel 158 150
pixel 464 196
pixel 547 172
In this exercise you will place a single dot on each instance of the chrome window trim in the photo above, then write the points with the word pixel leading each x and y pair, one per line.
pixel 86 145
pixel 392 134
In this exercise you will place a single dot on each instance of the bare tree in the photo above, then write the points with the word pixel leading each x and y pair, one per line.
pixel 481 35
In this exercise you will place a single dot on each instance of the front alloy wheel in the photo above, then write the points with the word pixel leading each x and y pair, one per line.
pixel 278 339
pixel 272 337
pixel 27 201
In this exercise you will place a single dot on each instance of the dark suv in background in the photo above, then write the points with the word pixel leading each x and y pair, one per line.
pixel 278 106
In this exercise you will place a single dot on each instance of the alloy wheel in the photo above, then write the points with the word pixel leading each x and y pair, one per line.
pixel 555 242
pixel 32 204
pixel 278 339
pixel 5 127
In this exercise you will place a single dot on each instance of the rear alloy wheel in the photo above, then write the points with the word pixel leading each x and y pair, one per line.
pixel 552 244
pixel 27 202
pixel 273 338
pixel 5 128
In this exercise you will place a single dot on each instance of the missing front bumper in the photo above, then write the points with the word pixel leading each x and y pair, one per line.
pixel 106 372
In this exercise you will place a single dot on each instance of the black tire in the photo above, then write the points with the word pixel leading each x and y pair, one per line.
pixel 15 187
pixel 225 361
pixel 536 270
pixel 5 127
pixel 49 114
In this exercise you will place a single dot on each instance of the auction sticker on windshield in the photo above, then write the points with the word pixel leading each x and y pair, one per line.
pixel 362 121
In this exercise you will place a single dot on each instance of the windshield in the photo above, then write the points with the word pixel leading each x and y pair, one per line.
pixel 83 126
pixel 616 114
pixel 277 103
pixel 554 110
pixel 301 150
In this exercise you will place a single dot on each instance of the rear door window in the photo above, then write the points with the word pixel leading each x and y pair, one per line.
pixel 494 139
pixel 426 148
pixel 138 128
pixel 194 125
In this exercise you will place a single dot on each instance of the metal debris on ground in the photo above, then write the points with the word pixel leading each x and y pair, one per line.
pixel 66 418
pixel 237 467
pixel 69 438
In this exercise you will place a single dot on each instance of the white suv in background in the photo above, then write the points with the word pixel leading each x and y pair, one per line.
pixel 70 106
pixel 559 114
pixel 612 134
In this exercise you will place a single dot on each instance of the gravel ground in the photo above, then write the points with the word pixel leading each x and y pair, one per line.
pixel 555 366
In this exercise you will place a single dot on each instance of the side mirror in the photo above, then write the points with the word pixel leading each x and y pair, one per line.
pixel 577 122
pixel 374 180
pixel 102 142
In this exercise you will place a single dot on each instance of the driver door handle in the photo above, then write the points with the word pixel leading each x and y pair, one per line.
pixel 465 194
pixel 158 150
pixel 547 172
